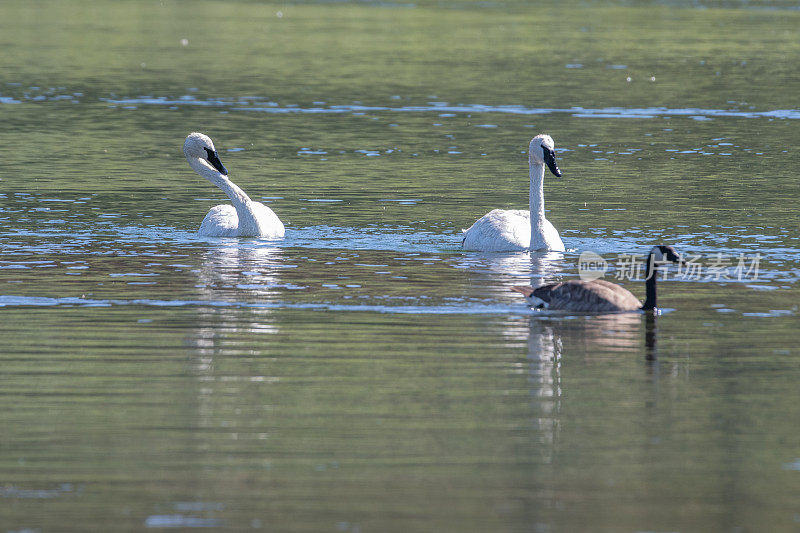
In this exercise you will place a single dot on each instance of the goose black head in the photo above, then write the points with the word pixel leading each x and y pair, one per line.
pixel 666 254
pixel 658 255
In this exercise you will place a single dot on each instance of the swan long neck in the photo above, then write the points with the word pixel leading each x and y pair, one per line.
pixel 536 198
pixel 241 202
pixel 650 284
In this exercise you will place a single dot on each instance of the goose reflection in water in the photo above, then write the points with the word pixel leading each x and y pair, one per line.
pixel 553 340
pixel 588 337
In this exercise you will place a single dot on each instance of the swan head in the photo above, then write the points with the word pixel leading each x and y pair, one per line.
pixel 666 254
pixel 199 147
pixel 542 151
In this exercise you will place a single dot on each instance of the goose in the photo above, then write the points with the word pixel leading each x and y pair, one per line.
pixel 513 230
pixel 245 218
pixel 600 295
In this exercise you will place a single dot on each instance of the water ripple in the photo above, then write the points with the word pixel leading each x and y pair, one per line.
pixel 443 107
pixel 263 105
pixel 778 257
pixel 7 300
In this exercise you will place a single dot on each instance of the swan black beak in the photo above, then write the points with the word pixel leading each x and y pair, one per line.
pixel 213 158
pixel 550 160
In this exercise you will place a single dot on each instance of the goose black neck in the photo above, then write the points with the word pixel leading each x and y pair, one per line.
pixel 650 285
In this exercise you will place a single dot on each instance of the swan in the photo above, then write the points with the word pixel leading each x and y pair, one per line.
pixel 600 295
pixel 513 230
pixel 245 218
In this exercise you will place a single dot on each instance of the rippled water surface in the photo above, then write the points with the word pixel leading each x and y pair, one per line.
pixel 364 373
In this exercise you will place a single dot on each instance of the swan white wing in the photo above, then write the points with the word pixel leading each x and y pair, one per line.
pixel 269 225
pixel 549 239
pixel 499 230
pixel 223 221
pixel 220 221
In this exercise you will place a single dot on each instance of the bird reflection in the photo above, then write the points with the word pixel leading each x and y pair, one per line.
pixel 551 339
pixel 235 273
pixel 589 337
pixel 546 262
pixel 495 272
pixel 650 336
pixel 236 281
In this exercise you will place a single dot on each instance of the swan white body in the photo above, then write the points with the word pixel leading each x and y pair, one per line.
pixel 514 230
pixel 242 217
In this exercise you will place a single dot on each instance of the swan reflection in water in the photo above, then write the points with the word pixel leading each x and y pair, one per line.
pixel 495 272
pixel 238 280
pixel 241 274
pixel 229 343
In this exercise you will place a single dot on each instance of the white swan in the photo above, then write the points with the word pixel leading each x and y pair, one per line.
pixel 513 230
pixel 245 218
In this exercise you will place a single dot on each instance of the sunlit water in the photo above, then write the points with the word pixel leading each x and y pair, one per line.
pixel 365 373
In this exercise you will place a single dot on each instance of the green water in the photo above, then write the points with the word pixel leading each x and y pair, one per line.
pixel 364 373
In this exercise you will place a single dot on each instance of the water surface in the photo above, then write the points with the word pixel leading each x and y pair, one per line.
pixel 364 373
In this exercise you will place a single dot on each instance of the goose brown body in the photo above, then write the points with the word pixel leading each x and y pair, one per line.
pixel 599 295
pixel 583 296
